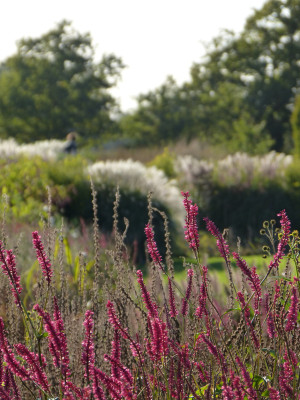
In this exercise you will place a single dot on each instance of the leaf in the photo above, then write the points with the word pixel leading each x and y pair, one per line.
pixel 89 265
pixel 30 272
pixel 270 351
pixel 226 312
pixel 68 251
pixel 257 380
pixel 231 309
pixel 203 389
pixel 56 248
pixel 76 268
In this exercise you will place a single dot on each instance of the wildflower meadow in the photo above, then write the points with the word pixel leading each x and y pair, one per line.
pixel 125 336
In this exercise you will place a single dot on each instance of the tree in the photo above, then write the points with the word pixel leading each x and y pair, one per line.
pixel 53 85
pixel 295 122
pixel 263 63
pixel 241 95
pixel 163 115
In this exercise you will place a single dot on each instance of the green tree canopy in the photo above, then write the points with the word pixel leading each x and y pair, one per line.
pixel 263 63
pixel 53 85
pixel 163 115
pixel 241 94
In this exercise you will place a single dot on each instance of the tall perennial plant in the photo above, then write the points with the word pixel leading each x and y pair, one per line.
pixel 184 345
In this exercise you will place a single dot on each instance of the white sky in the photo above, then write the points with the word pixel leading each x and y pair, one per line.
pixel 155 38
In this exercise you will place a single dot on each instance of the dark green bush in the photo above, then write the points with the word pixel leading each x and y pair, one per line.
pixel 243 210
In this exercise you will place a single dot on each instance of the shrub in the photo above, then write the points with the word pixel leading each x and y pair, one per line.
pixel 133 176
pixel 232 190
pixel 25 182
pixel 46 149
pixel 170 342
pixel 165 162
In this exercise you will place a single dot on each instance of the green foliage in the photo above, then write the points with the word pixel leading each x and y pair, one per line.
pixel 240 96
pixel 260 67
pixel 163 116
pixel 53 85
pixel 25 182
pixel 292 176
pixel 165 162
pixel 295 122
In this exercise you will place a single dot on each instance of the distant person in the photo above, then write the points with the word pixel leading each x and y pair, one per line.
pixel 71 145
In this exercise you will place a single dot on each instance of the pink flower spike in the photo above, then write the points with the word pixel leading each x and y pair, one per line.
pixel 247 379
pixel 124 372
pixel 191 227
pixel 152 247
pixel 236 383
pixel 36 371
pixel 13 364
pixel 54 339
pixel 286 376
pixel 221 242
pixel 286 229
pixel 97 389
pixel 114 320
pixel 88 352
pixel 173 310
pixel 150 305
pixel 203 295
pixel 241 263
pixel 113 385
pixel 41 256
pixel 274 394
pixel 270 322
pixel 158 346
pixel 8 266
pixel 253 279
pixel 293 312
pixel 115 353
pixel 214 351
pixel 185 300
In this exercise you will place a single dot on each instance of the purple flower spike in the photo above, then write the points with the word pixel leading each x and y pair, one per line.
pixel 41 256
pixel 173 310
pixel 293 312
pixel 221 242
pixel 286 228
pixel 36 372
pixel 152 247
pixel 191 228
pixel 184 308
pixel 7 259
pixel 151 306
pixel 88 353
pixel 13 364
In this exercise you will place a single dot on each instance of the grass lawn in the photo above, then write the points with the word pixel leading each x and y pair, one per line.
pixel 216 266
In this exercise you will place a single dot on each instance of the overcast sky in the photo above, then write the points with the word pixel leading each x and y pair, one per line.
pixel 154 38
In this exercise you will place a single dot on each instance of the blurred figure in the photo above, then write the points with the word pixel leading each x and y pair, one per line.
pixel 71 145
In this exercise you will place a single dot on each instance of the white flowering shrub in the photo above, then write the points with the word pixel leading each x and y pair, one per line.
pixel 273 165
pixel 239 169
pixel 192 170
pixel 133 176
pixel 243 170
pixel 46 149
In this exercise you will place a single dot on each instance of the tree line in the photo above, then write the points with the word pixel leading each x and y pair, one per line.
pixel 244 93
